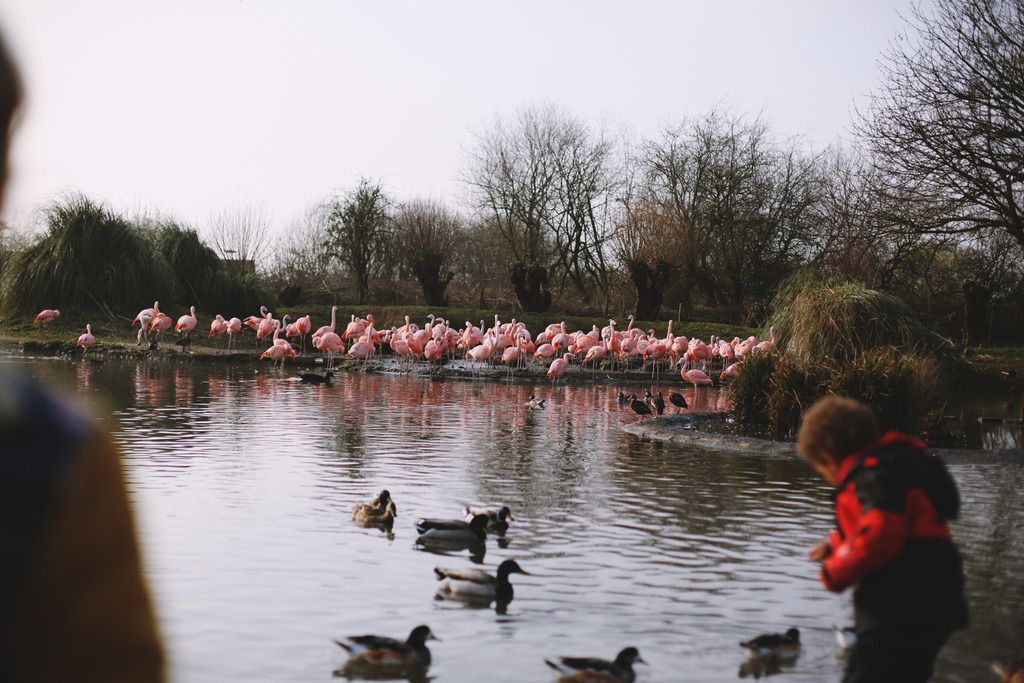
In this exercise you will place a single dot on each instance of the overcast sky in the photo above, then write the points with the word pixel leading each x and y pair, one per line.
pixel 192 107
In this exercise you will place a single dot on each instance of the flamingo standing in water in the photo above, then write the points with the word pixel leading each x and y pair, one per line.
pixel 329 343
pixel 233 327
pixel 558 367
pixel 86 340
pixel 46 316
pixel 696 378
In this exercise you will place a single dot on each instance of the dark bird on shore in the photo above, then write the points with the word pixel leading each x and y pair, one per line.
pixel 659 404
pixel 639 407
pixel 316 377
pixel 678 400
pixel 622 398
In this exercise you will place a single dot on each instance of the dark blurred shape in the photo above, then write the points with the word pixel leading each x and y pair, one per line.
pixel 74 603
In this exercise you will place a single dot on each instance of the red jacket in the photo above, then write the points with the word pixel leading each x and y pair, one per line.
pixel 892 504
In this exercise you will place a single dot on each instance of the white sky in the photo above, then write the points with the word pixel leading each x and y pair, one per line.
pixel 193 107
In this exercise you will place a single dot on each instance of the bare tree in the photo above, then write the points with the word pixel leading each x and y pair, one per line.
pixel 241 236
pixel 947 128
pixel 740 200
pixel 482 260
pixel 646 245
pixel 546 182
pixel 358 224
pixel 425 233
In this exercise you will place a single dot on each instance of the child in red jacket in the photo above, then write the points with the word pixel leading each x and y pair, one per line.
pixel 893 501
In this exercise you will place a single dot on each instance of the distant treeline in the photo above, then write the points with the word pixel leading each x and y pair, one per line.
pixel 711 214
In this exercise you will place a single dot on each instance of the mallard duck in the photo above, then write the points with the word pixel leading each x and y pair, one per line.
pixel 367 514
pixel 377 506
pixel 591 669
pixel 497 517
pixel 453 530
pixel 377 653
pixel 478 584
pixel 783 646
pixel 535 403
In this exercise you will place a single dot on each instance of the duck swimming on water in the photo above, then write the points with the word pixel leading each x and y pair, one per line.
pixel 378 655
pixel 783 646
pixel 497 517
pixel 478 584
pixel 592 669
pixel 453 530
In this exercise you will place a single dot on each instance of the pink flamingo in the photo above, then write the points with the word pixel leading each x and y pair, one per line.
pixel 730 371
pixel 558 367
pixel 328 328
pixel 233 327
pixel 144 319
pixel 187 323
pixel 253 321
pixel 278 352
pixel 481 353
pixel 544 352
pixel 46 316
pixel 303 326
pixel 696 377
pixel 330 343
pixel 433 350
pixel 161 323
pixel 86 340
pixel 218 326
pixel 513 354
pixel 765 346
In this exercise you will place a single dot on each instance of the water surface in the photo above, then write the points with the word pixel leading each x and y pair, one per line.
pixel 244 480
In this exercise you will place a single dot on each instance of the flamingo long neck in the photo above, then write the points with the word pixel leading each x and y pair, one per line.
pixel 334 317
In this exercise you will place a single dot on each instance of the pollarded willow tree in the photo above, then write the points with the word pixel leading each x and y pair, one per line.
pixel 947 127
pixel 359 227
pixel 425 233
pixel 545 181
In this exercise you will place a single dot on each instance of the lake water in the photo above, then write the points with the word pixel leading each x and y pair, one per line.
pixel 244 480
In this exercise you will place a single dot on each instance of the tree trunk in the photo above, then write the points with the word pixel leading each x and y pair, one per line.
pixel 650 287
pixel 434 286
pixel 531 286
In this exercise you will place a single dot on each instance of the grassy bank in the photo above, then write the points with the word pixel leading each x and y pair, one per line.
pixel 117 328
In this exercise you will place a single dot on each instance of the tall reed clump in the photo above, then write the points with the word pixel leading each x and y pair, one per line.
pixel 840 337
pixel 820 318
pixel 88 259
pixel 200 277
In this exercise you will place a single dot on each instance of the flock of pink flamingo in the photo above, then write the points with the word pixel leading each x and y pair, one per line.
pixel 510 344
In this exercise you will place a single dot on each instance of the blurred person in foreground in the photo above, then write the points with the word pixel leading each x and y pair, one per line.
pixel 74 604
pixel 893 501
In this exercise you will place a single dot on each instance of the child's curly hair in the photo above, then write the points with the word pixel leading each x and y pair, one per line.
pixel 838 427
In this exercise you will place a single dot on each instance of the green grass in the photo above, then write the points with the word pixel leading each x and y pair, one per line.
pixel 394 316
pixel 70 324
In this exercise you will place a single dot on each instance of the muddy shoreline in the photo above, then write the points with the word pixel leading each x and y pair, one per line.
pixel 692 431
